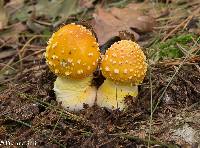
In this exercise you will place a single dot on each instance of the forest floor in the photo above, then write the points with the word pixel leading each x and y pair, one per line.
pixel 167 112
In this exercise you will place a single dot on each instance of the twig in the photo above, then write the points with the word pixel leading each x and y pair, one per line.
pixel 3 64
pixel 42 23
pixel 182 24
pixel 151 142
pixel 56 125
pixel 151 116
pixel 183 50
pixel 22 50
pixel 37 52
pixel 8 64
pixel 70 116
pixel 18 121
pixel 177 70
pixel 175 29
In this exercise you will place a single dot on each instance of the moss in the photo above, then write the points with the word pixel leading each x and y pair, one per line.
pixel 169 48
pixel 182 39
pixel 171 52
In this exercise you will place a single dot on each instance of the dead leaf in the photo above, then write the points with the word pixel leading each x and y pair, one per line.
pixel 13 5
pixel 7 53
pixel 134 19
pixel 35 26
pixel 3 15
pixel 86 3
pixel 107 24
pixel 195 30
pixel 10 34
pixel 18 10
pixel 54 8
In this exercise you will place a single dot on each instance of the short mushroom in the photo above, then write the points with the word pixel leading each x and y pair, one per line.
pixel 124 67
pixel 72 54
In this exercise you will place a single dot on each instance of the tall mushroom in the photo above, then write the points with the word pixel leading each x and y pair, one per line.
pixel 124 67
pixel 72 54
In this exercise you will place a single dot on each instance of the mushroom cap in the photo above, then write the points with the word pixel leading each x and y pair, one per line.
pixel 124 62
pixel 72 52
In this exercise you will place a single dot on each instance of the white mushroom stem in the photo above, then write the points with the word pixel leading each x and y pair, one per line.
pixel 112 95
pixel 74 93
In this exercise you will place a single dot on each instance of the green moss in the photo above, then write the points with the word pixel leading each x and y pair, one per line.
pixel 182 39
pixel 171 52
pixel 169 48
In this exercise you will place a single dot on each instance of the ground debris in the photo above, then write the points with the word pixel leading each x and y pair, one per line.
pixel 31 104
pixel 107 24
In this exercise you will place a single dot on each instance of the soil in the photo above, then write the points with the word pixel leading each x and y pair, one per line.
pixel 30 113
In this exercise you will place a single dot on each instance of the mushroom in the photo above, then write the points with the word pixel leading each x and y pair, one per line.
pixel 124 68
pixel 72 54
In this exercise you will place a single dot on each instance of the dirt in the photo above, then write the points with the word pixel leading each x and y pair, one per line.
pixel 30 113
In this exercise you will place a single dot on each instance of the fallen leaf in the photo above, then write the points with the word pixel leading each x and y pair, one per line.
pixel 195 31
pixel 17 10
pixel 13 5
pixel 54 8
pixel 108 24
pixel 134 19
pixel 7 53
pixel 3 15
pixel 86 3
pixel 35 27
pixel 10 34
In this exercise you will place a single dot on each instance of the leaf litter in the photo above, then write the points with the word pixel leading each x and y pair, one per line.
pixel 107 24
pixel 11 33
pixel 3 16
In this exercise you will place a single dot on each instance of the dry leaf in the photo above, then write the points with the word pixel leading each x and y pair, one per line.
pixel 7 53
pixel 13 5
pixel 3 16
pixel 56 8
pixel 86 3
pixel 10 34
pixel 108 24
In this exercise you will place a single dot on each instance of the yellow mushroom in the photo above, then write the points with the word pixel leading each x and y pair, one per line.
pixel 124 67
pixel 72 54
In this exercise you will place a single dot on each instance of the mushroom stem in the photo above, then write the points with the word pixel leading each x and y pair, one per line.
pixel 112 95
pixel 74 93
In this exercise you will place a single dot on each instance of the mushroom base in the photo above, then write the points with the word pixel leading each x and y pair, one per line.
pixel 73 94
pixel 112 95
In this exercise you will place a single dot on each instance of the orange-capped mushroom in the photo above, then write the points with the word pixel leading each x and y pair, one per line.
pixel 124 67
pixel 72 54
